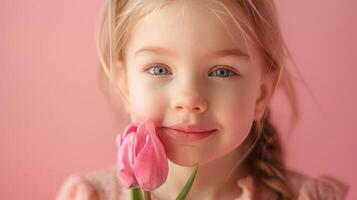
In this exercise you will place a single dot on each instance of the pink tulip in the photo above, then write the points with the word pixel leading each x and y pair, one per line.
pixel 141 157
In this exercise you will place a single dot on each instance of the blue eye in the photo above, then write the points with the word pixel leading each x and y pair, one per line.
pixel 158 70
pixel 223 72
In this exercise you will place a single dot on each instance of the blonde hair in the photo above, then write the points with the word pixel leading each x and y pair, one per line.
pixel 258 21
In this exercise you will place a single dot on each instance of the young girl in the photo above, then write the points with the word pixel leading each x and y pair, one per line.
pixel 209 64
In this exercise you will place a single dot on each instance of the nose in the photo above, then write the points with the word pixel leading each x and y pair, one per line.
pixel 189 101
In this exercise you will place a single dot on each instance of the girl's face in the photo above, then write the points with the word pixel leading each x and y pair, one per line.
pixel 191 70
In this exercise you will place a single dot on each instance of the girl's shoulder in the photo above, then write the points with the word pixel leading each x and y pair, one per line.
pixel 100 184
pixel 324 187
pixel 103 184
pixel 316 188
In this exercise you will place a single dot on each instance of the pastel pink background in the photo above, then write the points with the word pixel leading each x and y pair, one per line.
pixel 54 121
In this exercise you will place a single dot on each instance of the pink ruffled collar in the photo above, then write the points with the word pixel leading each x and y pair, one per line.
pixel 245 184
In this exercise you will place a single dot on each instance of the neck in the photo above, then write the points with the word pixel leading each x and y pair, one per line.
pixel 214 179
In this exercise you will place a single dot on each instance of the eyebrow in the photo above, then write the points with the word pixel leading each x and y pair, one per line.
pixel 234 52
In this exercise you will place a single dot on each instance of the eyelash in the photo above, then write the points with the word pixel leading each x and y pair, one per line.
pixel 232 73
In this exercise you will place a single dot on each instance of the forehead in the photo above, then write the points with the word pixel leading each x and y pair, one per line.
pixel 184 27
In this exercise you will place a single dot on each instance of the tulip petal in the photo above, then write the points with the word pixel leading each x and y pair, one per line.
pixel 141 157
pixel 160 153
pixel 144 168
pixel 130 128
pixel 142 138
pixel 124 160
pixel 151 168
pixel 158 147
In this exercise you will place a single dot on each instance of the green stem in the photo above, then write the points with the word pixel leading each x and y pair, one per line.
pixel 187 186
pixel 136 194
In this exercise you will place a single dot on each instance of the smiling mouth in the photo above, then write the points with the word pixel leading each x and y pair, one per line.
pixel 187 136
pixel 192 132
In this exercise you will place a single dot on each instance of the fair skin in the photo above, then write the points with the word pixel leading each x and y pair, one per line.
pixel 188 84
pixel 191 84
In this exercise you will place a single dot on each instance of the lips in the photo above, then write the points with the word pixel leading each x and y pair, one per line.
pixel 191 128
pixel 188 132
pixel 186 136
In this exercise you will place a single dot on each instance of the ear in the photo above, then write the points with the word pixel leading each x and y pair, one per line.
pixel 267 88
pixel 122 84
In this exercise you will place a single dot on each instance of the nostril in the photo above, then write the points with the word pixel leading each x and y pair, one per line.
pixel 179 107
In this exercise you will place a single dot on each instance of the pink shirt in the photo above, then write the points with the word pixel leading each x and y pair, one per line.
pixel 105 183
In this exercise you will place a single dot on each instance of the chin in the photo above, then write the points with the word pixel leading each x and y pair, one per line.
pixel 185 163
pixel 184 159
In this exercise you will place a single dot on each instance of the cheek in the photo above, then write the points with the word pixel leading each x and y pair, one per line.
pixel 238 121
pixel 145 104
pixel 236 115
